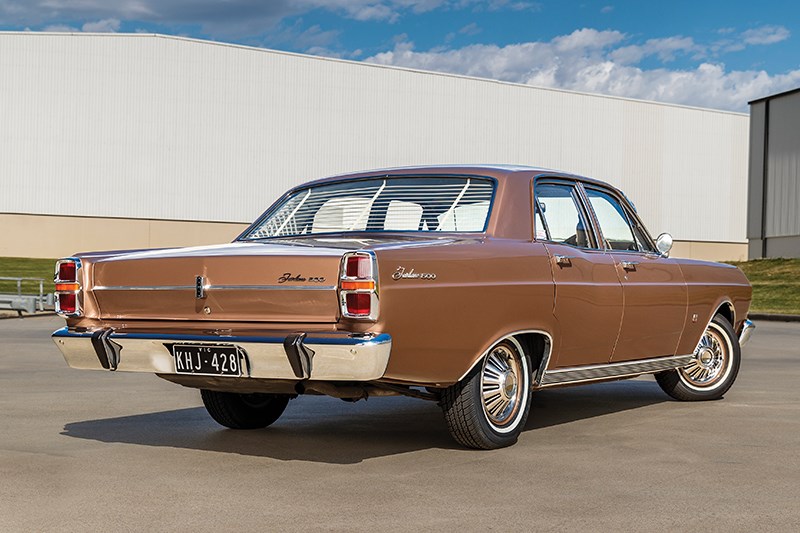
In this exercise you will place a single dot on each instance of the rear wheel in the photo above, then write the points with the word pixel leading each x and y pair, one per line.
pixel 713 369
pixel 244 411
pixel 489 407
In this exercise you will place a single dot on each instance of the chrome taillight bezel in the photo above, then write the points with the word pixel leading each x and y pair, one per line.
pixel 77 291
pixel 374 308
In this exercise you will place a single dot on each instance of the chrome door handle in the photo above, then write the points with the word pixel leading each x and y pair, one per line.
pixel 629 265
pixel 563 260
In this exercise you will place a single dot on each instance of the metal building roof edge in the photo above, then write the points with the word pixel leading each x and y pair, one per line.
pixel 773 96
pixel 376 65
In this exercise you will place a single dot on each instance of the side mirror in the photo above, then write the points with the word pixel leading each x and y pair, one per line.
pixel 664 244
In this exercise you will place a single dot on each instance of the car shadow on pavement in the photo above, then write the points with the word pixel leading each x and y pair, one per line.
pixel 553 407
pixel 326 430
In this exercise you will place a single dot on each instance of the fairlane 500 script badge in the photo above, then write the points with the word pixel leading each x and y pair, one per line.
pixel 287 277
pixel 401 273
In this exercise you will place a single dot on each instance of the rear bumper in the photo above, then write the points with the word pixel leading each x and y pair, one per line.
pixel 334 356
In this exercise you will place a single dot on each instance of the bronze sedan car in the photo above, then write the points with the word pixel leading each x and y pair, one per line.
pixel 471 286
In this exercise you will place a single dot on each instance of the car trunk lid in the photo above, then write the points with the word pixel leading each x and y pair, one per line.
pixel 236 282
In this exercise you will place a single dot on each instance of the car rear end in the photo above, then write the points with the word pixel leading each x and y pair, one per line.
pixel 296 298
pixel 262 311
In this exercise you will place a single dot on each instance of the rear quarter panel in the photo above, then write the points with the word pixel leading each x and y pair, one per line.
pixel 484 289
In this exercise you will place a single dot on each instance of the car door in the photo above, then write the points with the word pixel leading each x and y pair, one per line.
pixel 588 293
pixel 653 286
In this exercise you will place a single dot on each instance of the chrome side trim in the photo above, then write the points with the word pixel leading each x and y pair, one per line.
pixel 143 288
pixel 542 365
pixel 747 331
pixel 272 287
pixel 580 374
pixel 215 288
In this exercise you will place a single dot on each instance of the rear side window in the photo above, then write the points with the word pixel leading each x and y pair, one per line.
pixel 558 210
pixel 452 204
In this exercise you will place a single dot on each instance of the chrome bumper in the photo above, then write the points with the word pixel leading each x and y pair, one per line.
pixel 747 331
pixel 333 356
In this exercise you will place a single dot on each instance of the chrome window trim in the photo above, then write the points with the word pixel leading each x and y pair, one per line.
pixel 632 217
pixel 581 205
pixel 382 175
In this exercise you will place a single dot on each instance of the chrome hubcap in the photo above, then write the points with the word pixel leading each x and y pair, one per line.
pixel 710 360
pixel 500 379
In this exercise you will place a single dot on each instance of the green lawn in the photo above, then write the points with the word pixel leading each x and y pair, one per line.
pixel 776 285
pixel 776 282
pixel 20 267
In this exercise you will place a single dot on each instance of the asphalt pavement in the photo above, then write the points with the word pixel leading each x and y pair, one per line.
pixel 98 451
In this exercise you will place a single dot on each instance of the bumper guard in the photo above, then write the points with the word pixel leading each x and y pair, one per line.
pixel 747 331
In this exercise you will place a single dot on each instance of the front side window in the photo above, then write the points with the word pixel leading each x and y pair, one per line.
pixel 452 204
pixel 560 213
pixel 615 224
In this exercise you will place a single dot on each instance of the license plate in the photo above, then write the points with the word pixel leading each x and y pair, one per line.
pixel 207 360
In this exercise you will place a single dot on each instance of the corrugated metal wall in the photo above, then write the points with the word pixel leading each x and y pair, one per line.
pixel 160 127
pixel 773 227
pixel 783 168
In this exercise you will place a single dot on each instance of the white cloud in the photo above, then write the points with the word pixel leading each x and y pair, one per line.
pixel 607 9
pixel 765 35
pixel 63 28
pixel 242 18
pixel 587 39
pixel 598 61
pixel 470 29
pixel 498 5
pixel 102 26
pixel 312 39
pixel 665 49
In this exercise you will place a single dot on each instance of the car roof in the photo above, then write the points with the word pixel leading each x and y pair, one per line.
pixel 498 171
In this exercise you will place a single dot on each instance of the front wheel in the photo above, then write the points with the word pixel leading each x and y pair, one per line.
pixel 713 369
pixel 244 411
pixel 488 408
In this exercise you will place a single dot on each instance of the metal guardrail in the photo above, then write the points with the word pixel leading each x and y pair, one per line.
pixel 29 303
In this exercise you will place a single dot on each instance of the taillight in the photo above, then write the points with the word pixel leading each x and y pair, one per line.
pixel 68 287
pixel 358 266
pixel 358 288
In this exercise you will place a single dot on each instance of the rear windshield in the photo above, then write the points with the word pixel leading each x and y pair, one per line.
pixel 451 204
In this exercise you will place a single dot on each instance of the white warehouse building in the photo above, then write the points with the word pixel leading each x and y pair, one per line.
pixel 119 141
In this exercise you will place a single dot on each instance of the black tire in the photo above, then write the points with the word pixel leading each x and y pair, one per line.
pixel 465 405
pixel 244 411
pixel 702 380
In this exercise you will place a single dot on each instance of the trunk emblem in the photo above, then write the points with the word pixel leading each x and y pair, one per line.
pixel 199 288
pixel 402 273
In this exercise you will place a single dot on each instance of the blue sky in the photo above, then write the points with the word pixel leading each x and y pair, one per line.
pixel 716 54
